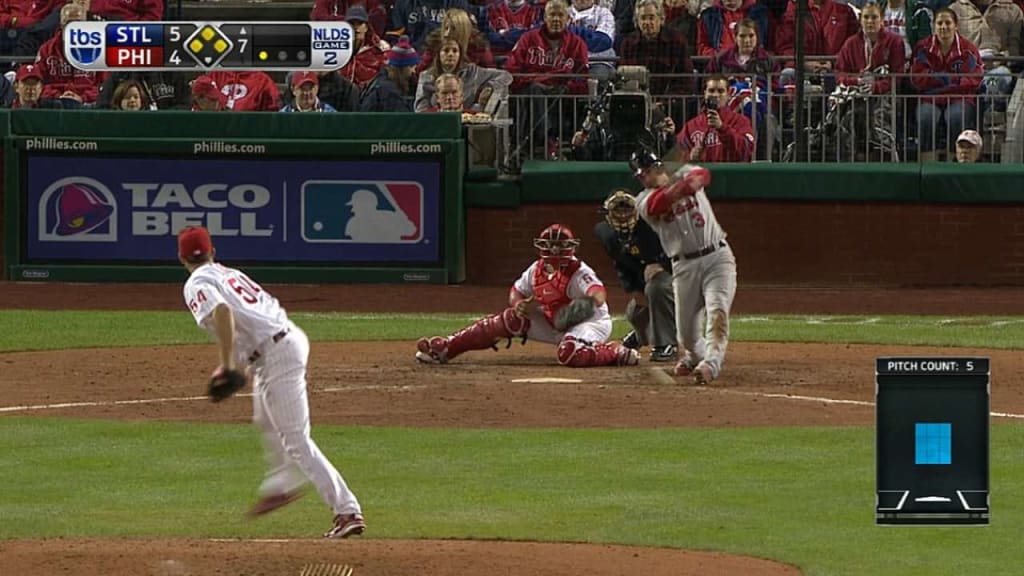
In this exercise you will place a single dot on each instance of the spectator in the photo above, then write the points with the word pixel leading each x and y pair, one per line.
pixel 392 89
pixel 305 87
pixel 661 49
pixel 540 63
pixel 716 133
pixel 128 96
pixel 885 49
pixel 457 24
pixel 337 92
pixel 37 34
pixel 968 147
pixel 484 88
pixel 831 23
pixel 28 87
pixel 7 93
pixel 683 16
pixel 129 10
pixel 717 28
pixel 448 88
pixel 248 90
pixel 418 18
pixel 334 10
pixel 911 20
pixel 60 78
pixel 749 69
pixel 18 15
pixel 595 24
pixel 161 90
pixel 207 95
pixel 946 71
pixel 994 26
pixel 370 51
pixel 506 20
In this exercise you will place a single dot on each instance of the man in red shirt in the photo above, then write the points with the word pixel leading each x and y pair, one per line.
pixel 207 96
pixel 248 91
pixel 716 133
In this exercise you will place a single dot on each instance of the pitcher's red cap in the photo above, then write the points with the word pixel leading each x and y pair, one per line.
pixel 194 242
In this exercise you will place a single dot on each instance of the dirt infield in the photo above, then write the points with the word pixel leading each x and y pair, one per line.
pixel 379 384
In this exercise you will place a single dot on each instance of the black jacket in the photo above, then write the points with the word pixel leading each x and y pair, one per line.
pixel 631 257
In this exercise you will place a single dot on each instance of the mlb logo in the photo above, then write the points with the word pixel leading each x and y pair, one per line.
pixel 77 209
pixel 362 212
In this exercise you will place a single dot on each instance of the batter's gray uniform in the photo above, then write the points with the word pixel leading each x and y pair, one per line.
pixel 703 270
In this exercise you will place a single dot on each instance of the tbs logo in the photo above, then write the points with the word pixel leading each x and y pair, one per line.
pixel 83 43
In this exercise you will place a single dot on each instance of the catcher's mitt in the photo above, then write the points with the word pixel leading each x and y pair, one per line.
pixel 574 312
pixel 225 383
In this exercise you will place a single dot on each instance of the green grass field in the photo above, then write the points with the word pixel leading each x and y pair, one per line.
pixel 804 496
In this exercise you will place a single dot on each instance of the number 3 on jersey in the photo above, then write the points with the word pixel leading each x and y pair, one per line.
pixel 246 289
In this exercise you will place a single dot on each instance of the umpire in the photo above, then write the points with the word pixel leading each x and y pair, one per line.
pixel 645 273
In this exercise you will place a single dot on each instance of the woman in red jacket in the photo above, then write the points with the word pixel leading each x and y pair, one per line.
pixel 868 58
pixel 946 70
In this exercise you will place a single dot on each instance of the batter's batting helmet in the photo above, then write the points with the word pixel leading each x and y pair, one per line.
pixel 643 159
pixel 557 244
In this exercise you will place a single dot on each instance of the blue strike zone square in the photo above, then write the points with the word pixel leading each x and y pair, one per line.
pixel 933 443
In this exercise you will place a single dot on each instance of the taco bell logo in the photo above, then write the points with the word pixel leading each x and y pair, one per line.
pixel 362 212
pixel 77 209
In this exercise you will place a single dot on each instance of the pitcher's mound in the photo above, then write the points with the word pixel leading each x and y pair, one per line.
pixel 366 558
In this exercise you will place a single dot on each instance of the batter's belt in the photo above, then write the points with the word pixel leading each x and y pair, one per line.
pixel 699 253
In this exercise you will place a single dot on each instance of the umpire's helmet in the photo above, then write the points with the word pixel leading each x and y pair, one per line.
pixel 643 159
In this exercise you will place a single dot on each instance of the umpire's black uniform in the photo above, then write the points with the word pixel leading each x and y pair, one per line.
pixel 654 324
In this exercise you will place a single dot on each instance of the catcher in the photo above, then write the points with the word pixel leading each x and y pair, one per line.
pixel 258 343
pixel 558 299
pixel 645 273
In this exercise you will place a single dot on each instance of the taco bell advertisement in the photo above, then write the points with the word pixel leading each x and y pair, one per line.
pixel 131 209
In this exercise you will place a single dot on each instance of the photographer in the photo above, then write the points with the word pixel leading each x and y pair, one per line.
pixel 645 273
pixel 716 133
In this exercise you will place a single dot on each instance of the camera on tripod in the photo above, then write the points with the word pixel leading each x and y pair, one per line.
pixel 619 115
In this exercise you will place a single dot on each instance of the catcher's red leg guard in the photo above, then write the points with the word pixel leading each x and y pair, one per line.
pixel 482 334
pixel 580 354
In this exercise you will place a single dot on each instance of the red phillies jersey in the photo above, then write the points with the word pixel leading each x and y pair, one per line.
pixel 248 91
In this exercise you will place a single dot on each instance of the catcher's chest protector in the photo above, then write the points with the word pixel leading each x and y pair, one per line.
pixel 551 286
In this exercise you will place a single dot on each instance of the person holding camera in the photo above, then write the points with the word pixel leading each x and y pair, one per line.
pixel 716 133
pixel 645 273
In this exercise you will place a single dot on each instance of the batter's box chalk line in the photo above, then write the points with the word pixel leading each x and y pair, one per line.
pixel 326 570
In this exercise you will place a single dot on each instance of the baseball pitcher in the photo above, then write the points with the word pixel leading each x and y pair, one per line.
pixel 703 265
pixel 258 343
pixel 558 299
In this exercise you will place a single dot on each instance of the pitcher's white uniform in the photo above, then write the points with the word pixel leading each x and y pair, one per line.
pixel 703 270
pixel 581 283
pixel 277 352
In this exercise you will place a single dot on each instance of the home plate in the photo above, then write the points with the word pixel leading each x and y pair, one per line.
pixel 547 380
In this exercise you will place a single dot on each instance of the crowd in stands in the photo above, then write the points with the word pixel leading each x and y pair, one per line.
pixel 713 65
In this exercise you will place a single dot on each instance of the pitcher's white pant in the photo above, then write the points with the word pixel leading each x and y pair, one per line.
pixel 708 282
pixel 281 409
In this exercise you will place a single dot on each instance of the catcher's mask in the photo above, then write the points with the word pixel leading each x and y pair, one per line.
pixel 620 212
pixel 641 160
pixel 557 245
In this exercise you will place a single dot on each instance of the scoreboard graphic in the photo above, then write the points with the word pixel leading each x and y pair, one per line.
pixel 107 46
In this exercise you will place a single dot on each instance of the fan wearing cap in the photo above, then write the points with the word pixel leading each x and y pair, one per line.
pixel 393 88
pixel 28 87
pixel 370 50
pixel 254 334
pixel 207 95
pixel 305 86
pixel 60 78
pixel 645 274
pixel 968 147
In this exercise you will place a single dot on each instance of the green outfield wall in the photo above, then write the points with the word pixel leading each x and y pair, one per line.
pixel 100 195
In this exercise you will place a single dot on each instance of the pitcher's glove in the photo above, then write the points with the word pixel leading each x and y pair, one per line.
pixel 574 312
pixel 226 383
